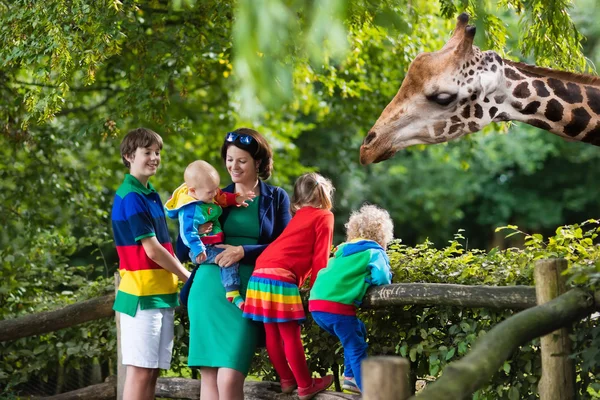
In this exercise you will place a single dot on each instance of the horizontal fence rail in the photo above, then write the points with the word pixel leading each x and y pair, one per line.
pixel 398 294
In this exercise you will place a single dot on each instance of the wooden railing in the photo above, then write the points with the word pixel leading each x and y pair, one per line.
pixel 398 294
pixel 460 379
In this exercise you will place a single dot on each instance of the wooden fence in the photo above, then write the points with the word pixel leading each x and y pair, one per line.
pixel 386 378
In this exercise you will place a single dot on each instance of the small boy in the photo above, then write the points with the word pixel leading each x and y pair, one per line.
pixel 147 293
pixel 340 287
pixel 198 201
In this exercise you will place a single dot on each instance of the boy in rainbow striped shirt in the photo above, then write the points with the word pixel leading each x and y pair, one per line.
pixel 147 294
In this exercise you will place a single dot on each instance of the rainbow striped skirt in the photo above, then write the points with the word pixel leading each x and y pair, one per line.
pixel 269 298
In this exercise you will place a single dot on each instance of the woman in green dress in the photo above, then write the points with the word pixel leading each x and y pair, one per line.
pixel 222 342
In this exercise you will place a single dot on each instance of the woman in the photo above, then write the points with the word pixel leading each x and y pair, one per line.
pixel 222 343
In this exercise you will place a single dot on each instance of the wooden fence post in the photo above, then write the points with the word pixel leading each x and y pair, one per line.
pixel 558 371
pixel 121 369
pixel 385 378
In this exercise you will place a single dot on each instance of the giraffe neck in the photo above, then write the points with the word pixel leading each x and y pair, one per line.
pixel 563 103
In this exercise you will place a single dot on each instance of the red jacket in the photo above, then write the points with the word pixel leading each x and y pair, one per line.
pixel 303 247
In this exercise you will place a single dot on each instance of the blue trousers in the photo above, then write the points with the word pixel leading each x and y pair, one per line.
pixel 230 276
pixel 352 333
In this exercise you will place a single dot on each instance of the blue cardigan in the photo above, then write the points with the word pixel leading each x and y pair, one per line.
pixel 273 217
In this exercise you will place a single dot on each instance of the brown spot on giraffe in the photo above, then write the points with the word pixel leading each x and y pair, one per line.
pixel 466 112
pixel 512 74
pixel 438 128
pixel 473 126
pixel 517 105
pixel 554 110
pixel 593 97
pixel 540 88
pixel 478 111
pixel 455 128
pixel 538 123
pixel 493 111
pixel 521 91
pixel 593 136
pixel 580 119
pixel 531 108
pixel 569 93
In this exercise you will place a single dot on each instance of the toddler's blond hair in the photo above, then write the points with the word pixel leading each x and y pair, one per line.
pixel 371 223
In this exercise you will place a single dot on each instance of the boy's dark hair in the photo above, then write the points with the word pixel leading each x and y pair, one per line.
pixel 258 148
pixel 139 137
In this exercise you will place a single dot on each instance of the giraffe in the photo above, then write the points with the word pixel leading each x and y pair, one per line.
pixel 459 89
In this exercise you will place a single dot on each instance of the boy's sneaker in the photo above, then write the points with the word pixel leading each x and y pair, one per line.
pixel 318 385
pixel 288 385
pixel 350 385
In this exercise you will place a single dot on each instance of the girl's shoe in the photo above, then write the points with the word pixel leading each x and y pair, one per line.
pixel 318 385
pixel 288 385
pixel 350 385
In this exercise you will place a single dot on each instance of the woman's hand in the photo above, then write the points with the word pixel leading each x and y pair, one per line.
pixel 205 228
pixel 230 255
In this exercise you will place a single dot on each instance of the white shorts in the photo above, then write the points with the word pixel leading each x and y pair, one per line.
pixel 147 338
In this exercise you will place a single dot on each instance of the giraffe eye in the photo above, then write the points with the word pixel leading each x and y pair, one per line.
pixel 443 99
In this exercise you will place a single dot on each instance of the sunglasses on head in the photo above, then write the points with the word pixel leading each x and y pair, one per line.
pixel 240 137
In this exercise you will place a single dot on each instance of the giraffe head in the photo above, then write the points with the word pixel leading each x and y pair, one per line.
pixel 431 105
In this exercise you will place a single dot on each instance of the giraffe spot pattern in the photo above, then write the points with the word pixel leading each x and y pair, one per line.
pixel 499 99
pixel 494 68
pixel 478 111
pixel 593 136
pixel 455 119
pixel 580 119
pixel 517 105
pixel 502 117
pixel 531 108
pixel 493 112
pixel 438 128
pixel 540 88
pixel 538 123
pixel 455 128
pixel 512 74
pixel 554 110
pixel 473 126
pixel 571 93
pixel 522 90
pixel 593 96
pixel 466 112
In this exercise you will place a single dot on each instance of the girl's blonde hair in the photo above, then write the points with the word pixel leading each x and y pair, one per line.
pixel 371 223
pixel 313 190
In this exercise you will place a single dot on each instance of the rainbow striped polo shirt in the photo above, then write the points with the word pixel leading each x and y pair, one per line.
pixel 137 214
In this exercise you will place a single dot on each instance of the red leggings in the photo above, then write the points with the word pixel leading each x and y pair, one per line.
pixel 284 346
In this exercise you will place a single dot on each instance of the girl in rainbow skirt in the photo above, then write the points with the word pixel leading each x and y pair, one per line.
pixel 273 297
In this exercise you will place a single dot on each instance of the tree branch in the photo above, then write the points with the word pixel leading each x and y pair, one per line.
pixel 462 378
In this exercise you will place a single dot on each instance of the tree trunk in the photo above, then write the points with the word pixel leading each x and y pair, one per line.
pixel 461 378
pixel 181 388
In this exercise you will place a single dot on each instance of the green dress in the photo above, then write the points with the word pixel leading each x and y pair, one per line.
pixel 219 335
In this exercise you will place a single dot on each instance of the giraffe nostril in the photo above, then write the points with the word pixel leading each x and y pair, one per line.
pixel 370 136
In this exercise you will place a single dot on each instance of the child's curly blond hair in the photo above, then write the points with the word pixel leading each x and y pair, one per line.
pixel 371 223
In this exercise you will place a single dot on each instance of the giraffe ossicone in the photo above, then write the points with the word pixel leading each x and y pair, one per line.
pixel 459 89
